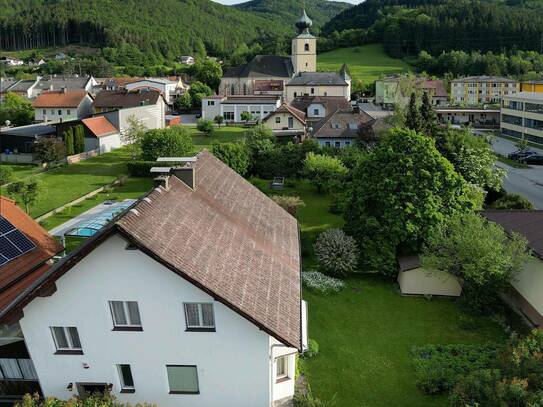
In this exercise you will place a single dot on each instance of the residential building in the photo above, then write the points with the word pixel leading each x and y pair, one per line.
pixel 522 116
pixel 11 61
pixel 100 133
pixel 68 82
pixel 26 250
pixel 213 267
pixel 165 86
pixel 21 139
pixel 532 86
pixel 478 117
pixel 187 60
pixel 287 122
pixel 341 128
pixel 118 106
pixel 527 287
pixel 62 105
pixel 317 108
pixel 319 84
pixel 231 107
pixel 24 87
pixel 477 90
pixel 396 90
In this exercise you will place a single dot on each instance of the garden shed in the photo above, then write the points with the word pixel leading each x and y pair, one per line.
pixel 416 280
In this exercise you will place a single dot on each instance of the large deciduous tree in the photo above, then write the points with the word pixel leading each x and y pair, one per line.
pixel 323 171
pixel 16 109
pixel 171 142
pixel 234 155
pixel 25 192
pixel 399 193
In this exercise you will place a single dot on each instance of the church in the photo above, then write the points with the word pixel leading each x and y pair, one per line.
pixel 287 76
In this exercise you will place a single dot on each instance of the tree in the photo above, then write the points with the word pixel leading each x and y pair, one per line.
pixel 400 191
pixel 234 155
pixel 69 141
pixel 79 139
pixel 26 192
pixel 512 201
pixel 197 92
pixel 288 203
pixel 49 150
pixel 132 135
pixel 205 126
pixel 522 145
pixel 471 156
pixel 6 174
pixel 208 72
pixel 17 109
pixel 336 252
pixel 171 142
pixel 323 170
pixel 480 253
pixel 246 117
pixel 413 120
pixel 219 120
pixel 183 102
pixel 428 116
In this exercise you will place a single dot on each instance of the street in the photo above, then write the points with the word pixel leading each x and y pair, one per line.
pixel 527 182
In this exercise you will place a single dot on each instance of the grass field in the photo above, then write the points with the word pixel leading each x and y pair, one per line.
pixel 366 63
pixel 222 135
pixel 366 332
pixel 20 171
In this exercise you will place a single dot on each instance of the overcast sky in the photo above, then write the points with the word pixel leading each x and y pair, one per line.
pixel 238 1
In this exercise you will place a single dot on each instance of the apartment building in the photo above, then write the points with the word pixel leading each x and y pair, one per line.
pixel 522 116
pixel 532 86
pixel 477 90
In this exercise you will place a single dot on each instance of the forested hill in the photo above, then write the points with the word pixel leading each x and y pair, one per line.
pixel 159 27
pixel 320 11
pixel 408 26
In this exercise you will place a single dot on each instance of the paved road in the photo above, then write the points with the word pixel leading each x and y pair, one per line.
pixel 527 182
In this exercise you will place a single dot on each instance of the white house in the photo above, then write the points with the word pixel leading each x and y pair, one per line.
pixel 287 122
pixel 231 107
pixel 102 135
pixel 62 105
pixel 166 87
pixel 68 82
pixel 187 60
pixel 192 297
pixel 522 116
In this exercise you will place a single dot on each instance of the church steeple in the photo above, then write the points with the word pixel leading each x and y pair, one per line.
pixel 304 23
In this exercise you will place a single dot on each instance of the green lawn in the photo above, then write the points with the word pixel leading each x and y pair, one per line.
pixel 366 63
pixel 67 183
pixel 366 332
pixel 223 135
pixel 20 171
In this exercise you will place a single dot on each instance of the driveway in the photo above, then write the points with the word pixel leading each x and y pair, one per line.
pixel 527 182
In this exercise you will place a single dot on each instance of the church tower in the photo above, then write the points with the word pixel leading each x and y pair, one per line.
pixel 304 47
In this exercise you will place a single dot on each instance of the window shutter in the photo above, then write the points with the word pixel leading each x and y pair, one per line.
pixel 183 379
pixel 191 311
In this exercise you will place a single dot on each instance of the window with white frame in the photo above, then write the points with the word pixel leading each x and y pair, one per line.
pixel 228 116
pixel 199 316
pixel 125 315
pixel 59 112
pixel 281 368
pixel 277 119
pixel 68 111
pixel 125 378
pixel 44 111
pixel 66 339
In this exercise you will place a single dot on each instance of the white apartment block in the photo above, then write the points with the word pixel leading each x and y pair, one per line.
pixel 231 107
pixel 477 90
pixel 522 116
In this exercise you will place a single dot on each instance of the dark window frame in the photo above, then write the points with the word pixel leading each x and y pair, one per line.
pixel 184 392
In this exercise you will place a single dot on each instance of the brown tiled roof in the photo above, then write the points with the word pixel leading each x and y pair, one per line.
pixel 438 87
pixel 225 237
pixel 268 85
pixel 330 103
pixel 120 99
pixel 345 118
pixel 285 108
pixel 21 272
pixel 100 126
pixel 528 223
pixel 59 98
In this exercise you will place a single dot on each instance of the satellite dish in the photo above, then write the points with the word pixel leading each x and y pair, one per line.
pixel 8 123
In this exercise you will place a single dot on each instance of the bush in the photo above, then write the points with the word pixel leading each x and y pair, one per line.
pixel 6 174
pixel 171 142
pixel 512 201
pixel 322 283
pixel 98 400
pixel 439 367
pixel 205 126
pixel 143 168
pixel 49 150
pixel 336 252
pixel 312 349
pixel 477 389
pixel 323 171
pixel 288 203
pixel 234 155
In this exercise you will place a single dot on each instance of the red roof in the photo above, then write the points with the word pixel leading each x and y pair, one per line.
pixel 286 108
pixel 20 273
pixel 100 126
pixel 60 98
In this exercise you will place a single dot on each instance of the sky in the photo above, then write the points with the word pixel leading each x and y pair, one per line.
pixel 242 1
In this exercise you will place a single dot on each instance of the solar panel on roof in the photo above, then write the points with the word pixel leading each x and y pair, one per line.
pixel 13 243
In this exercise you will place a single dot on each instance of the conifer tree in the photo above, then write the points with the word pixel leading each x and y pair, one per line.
pixel 69 141
pixel 413 120
pixel 428 116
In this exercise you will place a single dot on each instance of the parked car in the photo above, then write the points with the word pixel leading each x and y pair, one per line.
pixel 535 159
pixel 520 155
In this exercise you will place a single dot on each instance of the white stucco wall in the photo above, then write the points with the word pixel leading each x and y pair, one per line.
pixel 234 363
pixel 529 283
pixel 108 143
pixel 424 282
pixel 83 111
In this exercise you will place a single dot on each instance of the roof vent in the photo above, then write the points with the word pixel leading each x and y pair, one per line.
pixel 135 212
pixel 162 181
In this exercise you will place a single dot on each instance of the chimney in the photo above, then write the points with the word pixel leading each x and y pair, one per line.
pixel 63 89
pixel 162 181
pixel 185 174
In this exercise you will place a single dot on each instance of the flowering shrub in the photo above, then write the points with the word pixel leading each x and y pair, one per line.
pixel 320 282
pixel 98 400
pixel 336 252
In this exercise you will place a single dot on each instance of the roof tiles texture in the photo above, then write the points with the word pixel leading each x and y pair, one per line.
pixel 229 238
pixel 100 126
pixel 123 99
pixel 263 66
pixel 59 98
